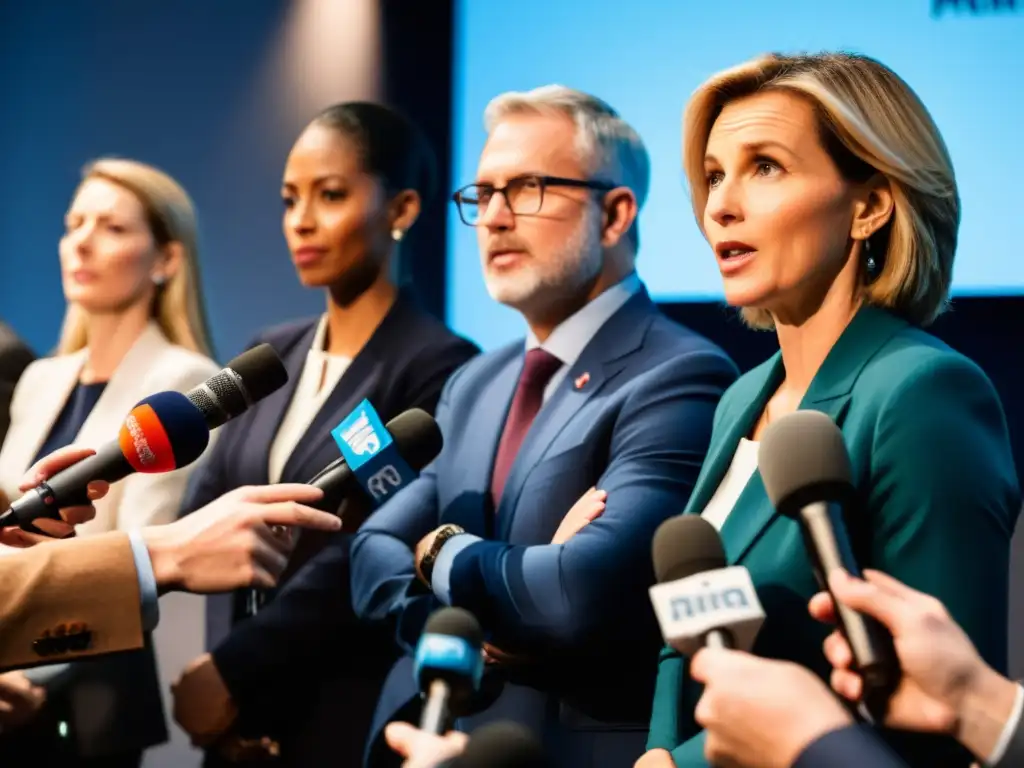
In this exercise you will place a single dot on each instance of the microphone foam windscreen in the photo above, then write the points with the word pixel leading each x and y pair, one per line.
pixel 163 432
pixel 502 745
pixel 260 370
pixel 684 546
pixel 417 436
pixel 455 622
pixel 803 453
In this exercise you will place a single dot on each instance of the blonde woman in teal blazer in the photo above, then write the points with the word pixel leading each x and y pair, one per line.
pixel 830 200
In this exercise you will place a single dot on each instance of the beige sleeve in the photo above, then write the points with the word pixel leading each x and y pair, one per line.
pixel 69 599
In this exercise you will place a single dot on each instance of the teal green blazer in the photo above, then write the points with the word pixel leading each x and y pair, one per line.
pixel 931 456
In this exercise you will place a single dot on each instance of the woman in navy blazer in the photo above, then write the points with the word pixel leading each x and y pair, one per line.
pixel 352 187
pixel 829 198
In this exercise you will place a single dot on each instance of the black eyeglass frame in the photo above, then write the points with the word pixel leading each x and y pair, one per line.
pixel 543 183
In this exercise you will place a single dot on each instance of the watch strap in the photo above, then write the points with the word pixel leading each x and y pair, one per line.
pixel 427 563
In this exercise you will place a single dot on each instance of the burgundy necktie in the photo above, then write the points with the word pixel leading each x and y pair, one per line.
pixel 538 369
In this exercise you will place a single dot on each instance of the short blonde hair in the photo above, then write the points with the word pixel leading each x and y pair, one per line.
pixel 178 307
pixel 870 121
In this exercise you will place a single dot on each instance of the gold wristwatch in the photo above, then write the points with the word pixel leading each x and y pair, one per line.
pixel 444 533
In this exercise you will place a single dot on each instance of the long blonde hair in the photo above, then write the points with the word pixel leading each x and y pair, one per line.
pixel 867 115
pixel 178 305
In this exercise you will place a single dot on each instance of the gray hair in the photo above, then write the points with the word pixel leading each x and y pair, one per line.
pixel 606 143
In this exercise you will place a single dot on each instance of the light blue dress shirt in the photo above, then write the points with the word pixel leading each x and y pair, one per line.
pixel 567 343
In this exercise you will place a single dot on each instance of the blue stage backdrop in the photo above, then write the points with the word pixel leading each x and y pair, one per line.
pixel 213 93
pixel 962 58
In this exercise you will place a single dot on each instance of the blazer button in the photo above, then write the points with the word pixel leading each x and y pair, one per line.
pixel 42 647
pixel 80 641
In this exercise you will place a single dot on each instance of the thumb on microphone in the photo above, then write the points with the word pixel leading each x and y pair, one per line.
pixel 708 663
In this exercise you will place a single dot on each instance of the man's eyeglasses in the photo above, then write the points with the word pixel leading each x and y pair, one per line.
pixel 524 195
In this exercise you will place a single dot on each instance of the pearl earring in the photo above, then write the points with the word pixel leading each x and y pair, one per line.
pixel 159 280
pixel 396 234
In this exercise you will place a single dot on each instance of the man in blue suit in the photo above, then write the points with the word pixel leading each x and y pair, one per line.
pixel 604 393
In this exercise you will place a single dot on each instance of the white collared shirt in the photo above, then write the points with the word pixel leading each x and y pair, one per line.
pixel 320 375
pixel 572 335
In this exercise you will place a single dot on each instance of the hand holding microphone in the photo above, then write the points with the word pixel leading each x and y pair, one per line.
pixel 808 477
pixel 165 431
pixel 69 517
pixel 761 713
pixel 946 686
pixel 705 610
pixel 503 744
pixel 413 441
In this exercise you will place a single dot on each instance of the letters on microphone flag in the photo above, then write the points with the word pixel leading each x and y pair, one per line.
pixel 687 609
pixel 371 454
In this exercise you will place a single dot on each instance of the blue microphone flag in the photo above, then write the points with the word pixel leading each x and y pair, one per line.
pixel 372 454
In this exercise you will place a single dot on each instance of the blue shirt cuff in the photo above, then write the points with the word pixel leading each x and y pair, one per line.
pixel 440 579
pixel 147 582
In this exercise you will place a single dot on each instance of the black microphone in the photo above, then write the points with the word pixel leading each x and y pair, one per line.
pixel 807 473
pixel 417 440
pixel 158 426
pixel 448 665
pixel 239 385
pixel 503 744
pixel 699 600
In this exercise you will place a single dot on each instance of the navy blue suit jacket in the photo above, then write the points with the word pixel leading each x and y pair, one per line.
pixel 855 746
pixel 278 664
pixel 638 428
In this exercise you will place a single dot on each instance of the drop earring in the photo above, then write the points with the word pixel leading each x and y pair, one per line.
pixel 869 262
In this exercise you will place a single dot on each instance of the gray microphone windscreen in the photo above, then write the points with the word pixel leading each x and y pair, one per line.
pixel 803 456
pixel 684 546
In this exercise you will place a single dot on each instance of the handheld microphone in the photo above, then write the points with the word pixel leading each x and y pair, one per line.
pixel 414 437
pixel 448 666
pixel 239 385
pixel 178 420
pixel 807 473
pixel 413 441
pixel 504 744
pixel 699 600
pixel 163 432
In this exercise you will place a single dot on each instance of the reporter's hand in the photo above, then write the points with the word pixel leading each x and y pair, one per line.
pixel 41 471
pixel 236 541
pixel 421 749
pixel 20 700
pixel 203 706
pixel 944 681
pixel 760 713
pixel 494 655
pixel 586 509
pixel 656 758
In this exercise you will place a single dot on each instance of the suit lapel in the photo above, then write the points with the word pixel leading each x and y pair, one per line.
pixel 122 389
pixel 360 380
pixel 829 393
pixel 746 518
pixel 364 378
pixel 270 412
pixel 604 357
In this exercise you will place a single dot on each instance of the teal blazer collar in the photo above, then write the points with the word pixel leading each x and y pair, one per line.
pixel 829 392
